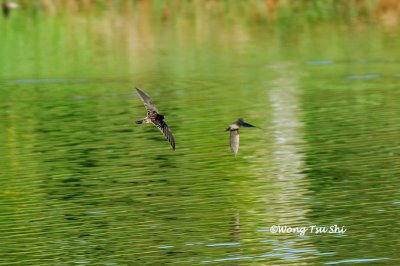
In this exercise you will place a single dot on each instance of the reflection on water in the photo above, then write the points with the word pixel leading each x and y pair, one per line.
pixel 369 76
pixel 82 184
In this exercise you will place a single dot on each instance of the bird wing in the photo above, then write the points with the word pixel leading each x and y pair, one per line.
pixel 234 140
pixel 241 123
pixel 163 127
pixel 146 100
pixel 247 125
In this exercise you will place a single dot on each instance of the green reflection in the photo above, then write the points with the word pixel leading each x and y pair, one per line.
pixel 80 183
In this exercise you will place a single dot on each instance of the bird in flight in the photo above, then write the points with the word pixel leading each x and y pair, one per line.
pixel 234 134
pixel 155 118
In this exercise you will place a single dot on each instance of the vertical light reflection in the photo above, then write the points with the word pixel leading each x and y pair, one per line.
pixel 287 146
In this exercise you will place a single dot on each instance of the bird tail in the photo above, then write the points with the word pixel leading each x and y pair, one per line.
pixel 139 121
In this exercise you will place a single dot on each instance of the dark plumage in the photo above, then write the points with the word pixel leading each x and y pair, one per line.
pixel 7 6
pixel 6 9
pixel 155 118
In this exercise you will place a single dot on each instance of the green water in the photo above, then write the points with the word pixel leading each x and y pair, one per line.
pixel 80 183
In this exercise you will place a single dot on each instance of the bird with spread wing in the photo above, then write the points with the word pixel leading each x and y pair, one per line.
pixel 155 118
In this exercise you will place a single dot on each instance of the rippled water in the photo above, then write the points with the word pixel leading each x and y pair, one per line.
pixel 82 184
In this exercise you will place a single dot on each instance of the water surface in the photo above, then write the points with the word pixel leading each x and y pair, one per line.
pixel 80 183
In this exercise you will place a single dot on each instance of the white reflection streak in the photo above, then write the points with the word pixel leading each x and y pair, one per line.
pixel 288 160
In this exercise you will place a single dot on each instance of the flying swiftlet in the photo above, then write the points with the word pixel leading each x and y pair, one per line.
pixel 155 118
pixel 234 134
